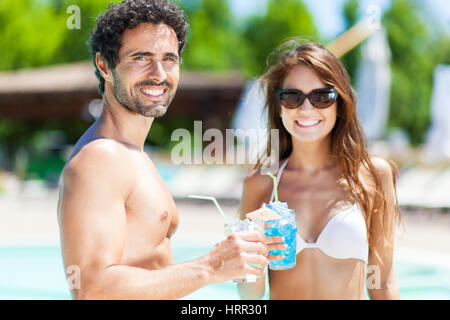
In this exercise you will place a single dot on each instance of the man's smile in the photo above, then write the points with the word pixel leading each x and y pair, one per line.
pixel 154 93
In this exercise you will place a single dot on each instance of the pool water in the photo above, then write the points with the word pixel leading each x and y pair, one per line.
pixel 37 273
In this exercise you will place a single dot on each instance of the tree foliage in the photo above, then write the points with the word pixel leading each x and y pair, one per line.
pixel 35 33
pixel 214 42
pixel 416 51
pixel 351 59
pixel 284 19
pixel 418 44
pixel 30 35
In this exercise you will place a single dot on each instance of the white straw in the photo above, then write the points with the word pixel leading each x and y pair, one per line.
pixel 215 202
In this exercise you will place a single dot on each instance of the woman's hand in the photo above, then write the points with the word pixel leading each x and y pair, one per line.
pixel 275 243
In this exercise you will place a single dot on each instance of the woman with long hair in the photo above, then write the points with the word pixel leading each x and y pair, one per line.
pixel 345 200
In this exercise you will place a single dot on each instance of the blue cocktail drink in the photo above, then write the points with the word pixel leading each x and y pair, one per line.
pixel 237 225
pixel 286 227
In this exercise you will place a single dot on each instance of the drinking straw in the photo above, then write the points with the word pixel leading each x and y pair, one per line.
pixel 227 221
pixel 274 184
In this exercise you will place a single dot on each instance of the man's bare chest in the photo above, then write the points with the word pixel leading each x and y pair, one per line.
pixel 152 219
pixel 150 204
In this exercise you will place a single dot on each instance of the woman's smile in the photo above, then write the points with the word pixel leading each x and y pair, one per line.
pixel 307 123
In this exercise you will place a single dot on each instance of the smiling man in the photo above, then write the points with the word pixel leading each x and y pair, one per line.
pixel 116 216
pixel 151 96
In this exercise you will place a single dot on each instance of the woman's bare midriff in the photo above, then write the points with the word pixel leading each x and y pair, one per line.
pixel 318 276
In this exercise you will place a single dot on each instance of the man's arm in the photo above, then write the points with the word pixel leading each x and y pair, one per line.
pixel 92 222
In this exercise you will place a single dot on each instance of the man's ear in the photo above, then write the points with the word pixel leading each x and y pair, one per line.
pixel 102 67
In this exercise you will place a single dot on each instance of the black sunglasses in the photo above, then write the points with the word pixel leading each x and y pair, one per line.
pixel 319 98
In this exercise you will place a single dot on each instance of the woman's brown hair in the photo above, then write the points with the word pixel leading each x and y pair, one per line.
pixel 348 142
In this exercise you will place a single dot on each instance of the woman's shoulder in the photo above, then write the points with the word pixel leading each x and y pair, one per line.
pixel 257 179
pixel 383 169
pixel 258 183
pixel 257 189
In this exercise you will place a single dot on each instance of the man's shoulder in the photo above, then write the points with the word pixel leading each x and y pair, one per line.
pixel 95 157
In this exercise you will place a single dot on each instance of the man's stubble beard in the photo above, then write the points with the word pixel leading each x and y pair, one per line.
pixel 156 110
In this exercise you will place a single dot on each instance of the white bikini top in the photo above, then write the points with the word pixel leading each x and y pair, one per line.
pixel 343 237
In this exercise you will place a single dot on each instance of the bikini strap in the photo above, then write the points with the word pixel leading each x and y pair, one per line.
pixel 278 178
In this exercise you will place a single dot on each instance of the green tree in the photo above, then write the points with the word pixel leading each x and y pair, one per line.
pixel 35 33
pixel 352 58
pixel 284 19
pixel 415 54
pixel 214 42
pixel 74 44
pixel 31 33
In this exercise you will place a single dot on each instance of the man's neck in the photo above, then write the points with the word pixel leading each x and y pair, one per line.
pixel 118 123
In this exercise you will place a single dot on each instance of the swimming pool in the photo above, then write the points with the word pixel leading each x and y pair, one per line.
pixel 37 273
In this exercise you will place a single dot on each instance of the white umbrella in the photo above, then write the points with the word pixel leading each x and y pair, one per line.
pixel 438 138
pixel 373 85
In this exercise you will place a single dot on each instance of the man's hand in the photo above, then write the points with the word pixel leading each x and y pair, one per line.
pixel 231 258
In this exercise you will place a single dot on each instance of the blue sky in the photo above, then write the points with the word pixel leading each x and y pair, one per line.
pixel 328 17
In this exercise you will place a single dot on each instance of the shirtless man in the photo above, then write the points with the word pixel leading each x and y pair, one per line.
pixel 116 216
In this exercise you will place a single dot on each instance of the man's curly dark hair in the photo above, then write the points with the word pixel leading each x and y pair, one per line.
pixel 106 37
